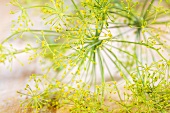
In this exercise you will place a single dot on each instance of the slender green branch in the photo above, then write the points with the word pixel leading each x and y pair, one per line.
pixel 24 31
pixel 142 44
pixel 147 10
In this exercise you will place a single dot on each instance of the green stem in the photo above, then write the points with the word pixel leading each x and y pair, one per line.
pixel 24 31
pixel 77 9
pixel 112 78
pixel 125 11
pixel 125 52
pixel 147 10
pixel 143 44
pixel 121 15
pixel 39 6
pixel 143 8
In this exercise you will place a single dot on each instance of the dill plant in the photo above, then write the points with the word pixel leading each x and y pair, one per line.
pixel 91 38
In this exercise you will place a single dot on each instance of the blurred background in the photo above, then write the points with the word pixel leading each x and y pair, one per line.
pixel 13 79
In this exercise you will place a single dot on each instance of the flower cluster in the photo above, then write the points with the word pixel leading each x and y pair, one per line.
pixel 85 41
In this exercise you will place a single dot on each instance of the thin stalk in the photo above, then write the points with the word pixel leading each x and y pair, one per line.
pixel 24 31
pixel 89 64
pixel 121 15
pixel 77 9
pixel 112 79
pixel 147 10
pixel 135 52
pixel 160 14
pixel 94 66
pixel 125 11
pixel 124 52
pixel 143 8
pixel 101 70
pixel 38 6
pixel 143 44
pixel 119 61
pixel 117 68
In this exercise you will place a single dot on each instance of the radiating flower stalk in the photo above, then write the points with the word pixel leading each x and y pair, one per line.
pixel 92 38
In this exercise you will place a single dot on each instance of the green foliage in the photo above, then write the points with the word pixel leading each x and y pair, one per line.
pixel 92 35
pixel 150 91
